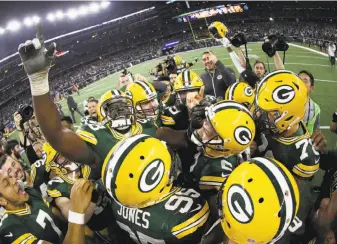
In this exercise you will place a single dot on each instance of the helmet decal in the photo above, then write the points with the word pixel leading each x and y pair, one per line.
pixel 151 176
pixel 248 91
pixel 283 94
pixel 243 135
pixel 240 204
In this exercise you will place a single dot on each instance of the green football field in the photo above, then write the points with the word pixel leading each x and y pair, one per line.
pixel 297 59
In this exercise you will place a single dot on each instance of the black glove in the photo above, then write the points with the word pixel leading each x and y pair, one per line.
pixel 198 112
pixel 250 77
pixel 334 117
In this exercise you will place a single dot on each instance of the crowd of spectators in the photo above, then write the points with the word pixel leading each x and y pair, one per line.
pixel 110 57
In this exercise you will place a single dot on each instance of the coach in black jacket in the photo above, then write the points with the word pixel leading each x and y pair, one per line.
pixel 217 77
pixel 72 105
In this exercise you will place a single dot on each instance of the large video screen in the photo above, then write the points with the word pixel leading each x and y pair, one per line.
pixel 209 12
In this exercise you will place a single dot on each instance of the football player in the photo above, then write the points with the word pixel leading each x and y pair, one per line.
pixel 242 93
pixel 168 98
pixel 37 177
pixel 188 84
pixel 147 204
pixel 281 98
pixel 37 60
pixel 257 192
pixel 28 216
pixel 226 132
pixel 60 186
pixel 146 106
pixel 29 219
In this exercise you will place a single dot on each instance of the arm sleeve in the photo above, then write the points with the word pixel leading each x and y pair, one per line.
pixel 236 61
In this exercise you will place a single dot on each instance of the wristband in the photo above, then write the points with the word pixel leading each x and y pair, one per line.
pixel 334 117
pixel 76 218
pixel 39 83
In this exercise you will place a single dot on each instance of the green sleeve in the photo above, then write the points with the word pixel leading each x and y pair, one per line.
pixel 58 188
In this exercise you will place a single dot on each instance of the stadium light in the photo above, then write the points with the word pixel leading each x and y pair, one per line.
pixel 28 21
pixel 51 17
pixel 2 31
pixel 72 13
pixel 104 4
pixel 94 7
pixel 36 19
pixel 59 14
pixel 13 25
pixel 83 10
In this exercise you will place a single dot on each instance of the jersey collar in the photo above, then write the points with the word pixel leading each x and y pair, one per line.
pixel 300 134
pixel 20 212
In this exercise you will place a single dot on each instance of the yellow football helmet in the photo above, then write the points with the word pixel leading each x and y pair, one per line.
pixel 218 30
pixel 187 81
pixel 282 95
pixel 139 171
pixel 116 110
pixel 232 128
pixel 143 95
pixel 59 164
pixel 258 201
pixel 242 93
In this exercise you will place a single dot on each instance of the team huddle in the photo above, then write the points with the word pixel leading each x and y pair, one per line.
pixel 193 171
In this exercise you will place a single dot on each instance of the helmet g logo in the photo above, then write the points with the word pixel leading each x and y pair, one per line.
pixel 240 204
pixel 243 135
pixel 248 91
pixel 283 94
pixel 151 176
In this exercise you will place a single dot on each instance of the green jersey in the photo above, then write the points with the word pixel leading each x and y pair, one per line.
pixel 102 139
pixel 147 127
pixel 175 118
pixel 296 153
pixel 210 173
pixel 169 100
pixel 299 156
pixel 57 187
pixel 31 224
pixel 181 218
pixel 39 176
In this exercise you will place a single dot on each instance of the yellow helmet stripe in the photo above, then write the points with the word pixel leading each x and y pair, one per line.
pixel 232 90
pixel 283 187
pixel 113 161
pixel 145 86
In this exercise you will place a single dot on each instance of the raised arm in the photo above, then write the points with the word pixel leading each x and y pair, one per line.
pixel 37 61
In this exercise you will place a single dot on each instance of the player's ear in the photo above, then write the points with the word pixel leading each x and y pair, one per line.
pixel 3 201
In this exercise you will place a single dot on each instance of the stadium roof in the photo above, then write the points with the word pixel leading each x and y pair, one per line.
pixel 20 10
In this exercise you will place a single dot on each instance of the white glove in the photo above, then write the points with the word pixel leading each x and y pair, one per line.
pixel 37 61
pixel 225 42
